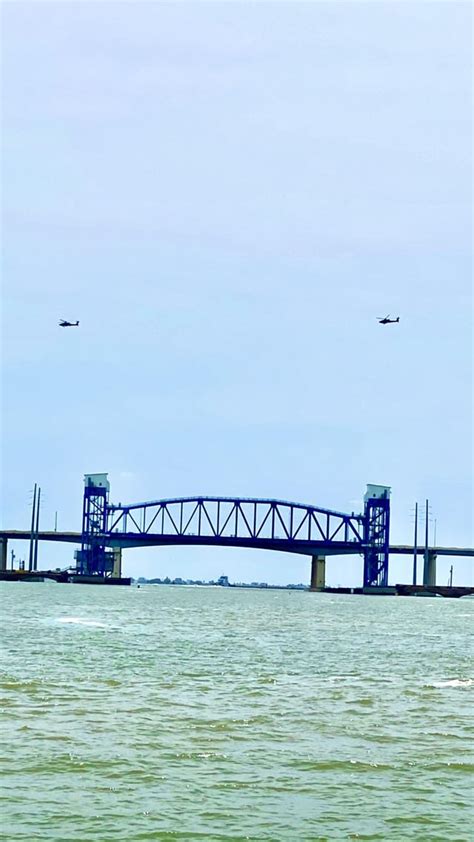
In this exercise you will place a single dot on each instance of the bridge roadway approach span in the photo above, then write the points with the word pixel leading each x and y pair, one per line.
pixel 132 540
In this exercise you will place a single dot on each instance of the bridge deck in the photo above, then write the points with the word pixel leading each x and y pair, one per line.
pixel 137 539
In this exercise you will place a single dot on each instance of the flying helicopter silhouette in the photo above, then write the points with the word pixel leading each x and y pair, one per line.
pixel 65 323
pixel 386 320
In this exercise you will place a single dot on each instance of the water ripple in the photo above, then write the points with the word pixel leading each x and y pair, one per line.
pixel 188 714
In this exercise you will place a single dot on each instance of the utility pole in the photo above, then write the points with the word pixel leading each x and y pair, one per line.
pixel 55 521
pixel 426 553
pixel 35 559
pixel 13 559
pixel 415 544
pixel 32 533
pixel 450 583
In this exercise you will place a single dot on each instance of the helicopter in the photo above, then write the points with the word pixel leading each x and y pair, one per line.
pixel 386 320
pixel 64 323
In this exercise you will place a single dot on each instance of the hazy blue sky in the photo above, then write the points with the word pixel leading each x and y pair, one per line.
pixel 227 195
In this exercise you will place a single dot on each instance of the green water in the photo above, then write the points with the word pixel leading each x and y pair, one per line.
pixel 206 713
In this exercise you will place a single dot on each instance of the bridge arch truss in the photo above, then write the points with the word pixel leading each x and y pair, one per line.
pixel 289 527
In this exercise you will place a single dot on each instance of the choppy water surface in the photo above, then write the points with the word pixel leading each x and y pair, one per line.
pixel 209 713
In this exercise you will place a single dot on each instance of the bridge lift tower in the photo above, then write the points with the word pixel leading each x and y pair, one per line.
pixel 93 558
pixel 376 535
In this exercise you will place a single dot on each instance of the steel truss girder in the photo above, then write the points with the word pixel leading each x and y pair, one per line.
pixel 254 521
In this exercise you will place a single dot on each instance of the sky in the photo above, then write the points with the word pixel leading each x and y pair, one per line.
pixel 227 195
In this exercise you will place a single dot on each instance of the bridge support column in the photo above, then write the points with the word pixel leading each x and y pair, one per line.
pixel 3 553
pixel 429 568
pixel 117 566
pixel 318 572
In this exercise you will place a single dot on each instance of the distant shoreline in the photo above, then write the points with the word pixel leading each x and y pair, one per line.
pixel 222 582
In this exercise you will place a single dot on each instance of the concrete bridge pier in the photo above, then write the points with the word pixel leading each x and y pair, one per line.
pixel 429 568
pixel 117 566
pixel 3 553
pixel 318 572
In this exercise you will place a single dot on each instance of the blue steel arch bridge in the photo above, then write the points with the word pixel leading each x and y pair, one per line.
pixel 245 522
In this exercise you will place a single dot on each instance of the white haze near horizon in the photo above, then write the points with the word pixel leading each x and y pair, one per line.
pixel 227 196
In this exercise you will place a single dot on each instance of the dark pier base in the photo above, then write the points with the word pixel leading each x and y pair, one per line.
pixel 372 591
pixel 405 590
pixel 99 580
pixel 60 576
pixel 433 590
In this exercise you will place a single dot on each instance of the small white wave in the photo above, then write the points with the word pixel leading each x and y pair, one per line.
pixel 80 621
pixel 454 682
